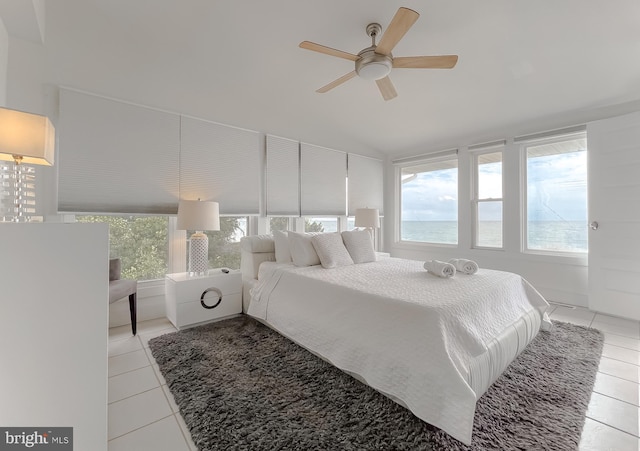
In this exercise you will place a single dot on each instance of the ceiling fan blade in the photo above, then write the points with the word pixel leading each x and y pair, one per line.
pixel 386 88
pixel 400 24
pixel 425 62
pixel 337 82
pixel 327 50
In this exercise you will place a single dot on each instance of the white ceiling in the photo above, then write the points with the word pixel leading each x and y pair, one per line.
pixel 524 66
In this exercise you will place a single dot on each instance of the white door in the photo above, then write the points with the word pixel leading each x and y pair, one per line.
pixel 614 215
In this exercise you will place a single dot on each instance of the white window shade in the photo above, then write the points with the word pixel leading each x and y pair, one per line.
pixel 116 157
pixel 222 164
pixel 322 181
pixel 283 177
pixel 366 183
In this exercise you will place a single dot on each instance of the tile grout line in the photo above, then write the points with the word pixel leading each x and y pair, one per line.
pixel 614 398
pixel 612 427
pixel 136 394
pixel 141 427
pixel 130 371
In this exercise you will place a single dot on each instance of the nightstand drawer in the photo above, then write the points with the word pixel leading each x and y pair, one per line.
pixel 190 290
pixel 192 313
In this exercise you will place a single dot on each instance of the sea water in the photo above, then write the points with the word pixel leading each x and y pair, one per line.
pixel 567 236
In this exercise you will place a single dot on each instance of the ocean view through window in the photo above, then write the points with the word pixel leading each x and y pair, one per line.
pixel 429 201
pixel 556 194
pixel 488 199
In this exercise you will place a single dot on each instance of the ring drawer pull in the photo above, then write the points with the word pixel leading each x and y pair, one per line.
pixel 205 292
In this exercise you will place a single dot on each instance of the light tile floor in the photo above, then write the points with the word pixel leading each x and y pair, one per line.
pixel 143 415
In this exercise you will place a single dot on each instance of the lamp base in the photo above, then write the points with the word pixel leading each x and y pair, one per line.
pixel 198 254
pixel 17 196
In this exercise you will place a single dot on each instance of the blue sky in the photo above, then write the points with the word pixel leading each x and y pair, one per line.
pixel 556 191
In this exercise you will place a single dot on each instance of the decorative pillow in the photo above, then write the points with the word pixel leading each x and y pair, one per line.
pixel 283 255
pixel 302 251
pixel 359 245
pixel 331 250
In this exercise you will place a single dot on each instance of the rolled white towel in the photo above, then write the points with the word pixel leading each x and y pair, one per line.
pixel 464 266
pixel 440 269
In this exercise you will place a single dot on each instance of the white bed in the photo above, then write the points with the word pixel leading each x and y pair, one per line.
pixel 432 344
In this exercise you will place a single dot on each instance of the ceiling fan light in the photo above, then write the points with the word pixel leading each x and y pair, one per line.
pixel 373 66
pixel 375 70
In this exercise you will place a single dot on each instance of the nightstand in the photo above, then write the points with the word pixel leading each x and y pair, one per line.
pixel 192 300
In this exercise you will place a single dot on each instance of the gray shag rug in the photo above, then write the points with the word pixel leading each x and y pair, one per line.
pixel 242 386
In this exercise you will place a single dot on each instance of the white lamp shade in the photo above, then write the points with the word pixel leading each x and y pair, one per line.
pixel 367 217
pixel 198 215
pixel 26 135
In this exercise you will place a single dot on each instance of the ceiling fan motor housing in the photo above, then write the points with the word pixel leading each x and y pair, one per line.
pixel 373 66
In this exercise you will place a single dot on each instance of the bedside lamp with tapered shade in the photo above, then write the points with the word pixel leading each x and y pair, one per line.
pixel 25 139
pixel 368 218
pixel 198 216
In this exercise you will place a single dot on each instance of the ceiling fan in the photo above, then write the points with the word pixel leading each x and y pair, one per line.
pixel 375 62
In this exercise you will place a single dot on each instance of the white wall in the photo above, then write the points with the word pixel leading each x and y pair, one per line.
pixel 559 279
pixel 4 62
pixel 53 328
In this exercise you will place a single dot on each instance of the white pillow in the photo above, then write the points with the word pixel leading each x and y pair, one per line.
pixel 331 250
pixel 281 239
pixel 302 251
pixel 359 245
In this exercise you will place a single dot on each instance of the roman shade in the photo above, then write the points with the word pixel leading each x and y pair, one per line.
pixel 323 175
pixel 366 183
pixel 116 157
pixel 282 176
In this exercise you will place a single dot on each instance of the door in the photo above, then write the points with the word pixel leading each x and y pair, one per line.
pixel 614 211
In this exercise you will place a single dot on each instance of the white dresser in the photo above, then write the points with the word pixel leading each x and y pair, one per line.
pixel 193 300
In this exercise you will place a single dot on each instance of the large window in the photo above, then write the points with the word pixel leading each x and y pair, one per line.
pixel 321 224
pixel 139 241
pixel 224 244
pixel 556 194
pixel 282 223
pixel 142 243
pixel 487 199
pixel 429 201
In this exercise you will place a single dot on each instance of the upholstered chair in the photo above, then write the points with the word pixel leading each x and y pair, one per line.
pixel 121 288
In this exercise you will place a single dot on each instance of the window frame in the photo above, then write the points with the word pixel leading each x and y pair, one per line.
pixel 476 200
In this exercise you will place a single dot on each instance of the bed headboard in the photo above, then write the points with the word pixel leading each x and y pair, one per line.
pixel 254 250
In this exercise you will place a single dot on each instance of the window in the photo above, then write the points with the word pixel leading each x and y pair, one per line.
pixel 429 201
pixel 139 241
pixel 224 244
pixel 556 194
pixel 280 223
pixel 320 224
pixel 487 200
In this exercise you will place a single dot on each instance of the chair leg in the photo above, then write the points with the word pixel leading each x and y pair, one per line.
pixel 133 311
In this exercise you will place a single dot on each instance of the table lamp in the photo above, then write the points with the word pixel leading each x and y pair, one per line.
pixel 369 218
pixel 25 139
pixel 198 216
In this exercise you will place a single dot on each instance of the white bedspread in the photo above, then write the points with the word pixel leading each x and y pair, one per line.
pixel 433 344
